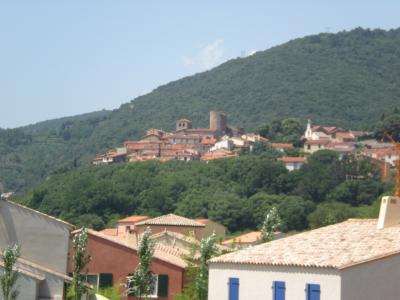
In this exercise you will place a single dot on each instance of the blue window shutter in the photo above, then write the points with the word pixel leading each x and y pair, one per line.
pixel 233 288
pixel 279 290
pixel 313 291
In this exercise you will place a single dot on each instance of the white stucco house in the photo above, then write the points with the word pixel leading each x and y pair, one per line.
pixel 358 259
pixel 44 243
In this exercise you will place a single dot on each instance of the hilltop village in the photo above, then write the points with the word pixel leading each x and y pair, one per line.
pixel 185 143
pixel 222 141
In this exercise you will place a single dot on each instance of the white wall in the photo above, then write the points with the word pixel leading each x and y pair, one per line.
pixel 255 281
pixel 373 281
pixel 26 287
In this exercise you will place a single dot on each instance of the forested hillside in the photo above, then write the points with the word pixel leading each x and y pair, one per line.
pixel 235 191
pixel 347 79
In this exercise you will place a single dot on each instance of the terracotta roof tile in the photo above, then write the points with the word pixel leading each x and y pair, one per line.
pixel 247 238
pixel 133 219
pixel 171 220
pixel 336 246
pixel 289 159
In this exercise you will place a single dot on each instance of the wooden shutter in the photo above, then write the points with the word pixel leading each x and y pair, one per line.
pixel 279 290
pixel 313 291
pixel 233 288
pixel 105 280
pixel 162 285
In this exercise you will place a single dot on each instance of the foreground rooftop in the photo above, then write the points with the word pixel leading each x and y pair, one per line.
pixel 338 246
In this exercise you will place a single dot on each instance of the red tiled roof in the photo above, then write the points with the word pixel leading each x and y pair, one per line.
pixel 133 219
pixel 344 135
pixel 317 142
pixel 289 159
pixel 171 220
pixel 282 145
pixel 247 238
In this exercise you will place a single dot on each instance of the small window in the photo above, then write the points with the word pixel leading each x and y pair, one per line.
pixel 308 147
pixel 155 291
pixel 313 291
pixel 279 288
pixel 233 284
pixel 92 279
pixel 127 228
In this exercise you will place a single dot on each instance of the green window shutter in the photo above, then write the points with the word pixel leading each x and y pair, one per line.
pixel 162 286
pixel 105 280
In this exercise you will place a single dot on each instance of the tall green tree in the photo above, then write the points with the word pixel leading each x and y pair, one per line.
pixel 271 223
pixel 9 276
pixel 80 260
pixel 140 283
pixel 208 249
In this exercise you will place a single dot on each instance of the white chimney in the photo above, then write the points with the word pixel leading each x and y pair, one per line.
pixel 389 214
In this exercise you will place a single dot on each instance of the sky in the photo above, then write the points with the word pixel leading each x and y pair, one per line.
pixel 62 58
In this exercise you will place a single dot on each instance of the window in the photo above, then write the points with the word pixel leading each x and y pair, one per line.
pixel 313 291
pixel 92 279
pixel 233 288
pixel 159 286
pixel 101 280
pixel 308 147
pixel 279 288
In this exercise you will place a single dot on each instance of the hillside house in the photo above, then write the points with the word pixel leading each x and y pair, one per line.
pixel 358 259
pixel 171 222
pixel 292 163
pixel 311 146
pixel 113 261
pixel 388 155
pixel 44 243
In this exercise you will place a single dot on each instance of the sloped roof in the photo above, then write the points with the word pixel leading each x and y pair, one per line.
pixel 40 213
pixel 133 219
pixel 171 220
pixel 247 238
pixel 338 246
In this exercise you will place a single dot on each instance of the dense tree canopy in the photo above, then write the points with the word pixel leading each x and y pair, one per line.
pixel 236 192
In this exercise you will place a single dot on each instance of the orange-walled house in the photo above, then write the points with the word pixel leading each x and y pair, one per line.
pixel 113 260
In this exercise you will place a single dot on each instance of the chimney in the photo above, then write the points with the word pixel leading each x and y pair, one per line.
pixel 389 214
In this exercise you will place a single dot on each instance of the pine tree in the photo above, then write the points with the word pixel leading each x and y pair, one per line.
pixel 140 284
pixel 80 261
pixel 271 223
pixel 9 276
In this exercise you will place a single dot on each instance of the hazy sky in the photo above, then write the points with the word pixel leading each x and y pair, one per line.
pixel 60 58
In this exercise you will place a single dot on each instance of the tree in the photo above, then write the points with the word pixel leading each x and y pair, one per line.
pixel 192 271
pixel 140 283
pixel 271 223
pixel 9 276
pixel 208 249
pixel 80 261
